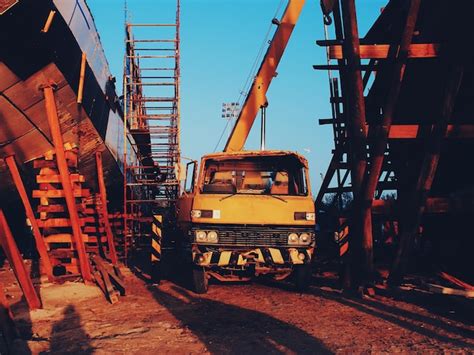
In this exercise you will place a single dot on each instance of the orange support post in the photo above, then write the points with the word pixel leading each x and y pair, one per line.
pixel 16 262
pixel 40 244
pixel 105 213
pixel 53 121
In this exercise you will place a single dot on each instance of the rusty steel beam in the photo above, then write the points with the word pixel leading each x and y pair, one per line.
pixel 371 177
pixel 7 242
pixel 416 202
pixel 39 241
pixel 357 133
pixel 105 213
pixel 54 126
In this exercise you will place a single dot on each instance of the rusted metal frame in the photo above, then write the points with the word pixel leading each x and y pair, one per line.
pixel 372 174
pixel 54 125
pixel 7 326
pixel 104 210
pixel 416 201
pixel 7 242
pixel 357 135
pixel 39 241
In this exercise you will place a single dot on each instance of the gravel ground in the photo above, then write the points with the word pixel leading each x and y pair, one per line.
pixel 239 318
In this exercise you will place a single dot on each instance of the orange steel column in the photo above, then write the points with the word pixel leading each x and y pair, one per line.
pixel 16 262
pixel 54 126
pixel 40 244
pixel 105 212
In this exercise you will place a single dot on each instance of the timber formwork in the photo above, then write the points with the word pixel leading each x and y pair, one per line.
pixel 152 112
pixel 402 116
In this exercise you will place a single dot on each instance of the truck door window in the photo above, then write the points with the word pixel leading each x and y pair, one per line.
pixel 190 176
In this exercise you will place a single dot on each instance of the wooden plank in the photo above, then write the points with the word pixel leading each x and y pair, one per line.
pixel 55 179
pixel 63 238
pixel 7 242
pixel 58 223
pixel 380 51
pixel 57 209
pixel 412 131
pixel 40 246
pixel 456 281
pixel 55 128
pixel 60 193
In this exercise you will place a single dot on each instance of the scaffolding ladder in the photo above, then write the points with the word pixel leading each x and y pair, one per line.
pixel 152 116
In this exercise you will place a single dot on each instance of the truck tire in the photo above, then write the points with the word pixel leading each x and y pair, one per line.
pixel 200 281
pixel 302 275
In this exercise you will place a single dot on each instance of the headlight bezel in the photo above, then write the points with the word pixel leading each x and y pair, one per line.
pixel 300 238
pixel 206 236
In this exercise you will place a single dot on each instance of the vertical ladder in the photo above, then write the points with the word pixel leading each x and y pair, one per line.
pixel 152 113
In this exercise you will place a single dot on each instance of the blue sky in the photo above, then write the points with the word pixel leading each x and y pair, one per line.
pixel 220 40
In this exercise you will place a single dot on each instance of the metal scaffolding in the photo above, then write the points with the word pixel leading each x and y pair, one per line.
pixel 152 116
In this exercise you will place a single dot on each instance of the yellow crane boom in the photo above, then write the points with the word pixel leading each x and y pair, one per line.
pixel 256 97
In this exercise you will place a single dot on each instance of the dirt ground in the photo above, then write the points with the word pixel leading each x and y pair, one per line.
pixel 238 318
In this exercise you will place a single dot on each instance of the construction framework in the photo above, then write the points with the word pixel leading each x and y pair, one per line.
pixel 152 116
pixel 405 130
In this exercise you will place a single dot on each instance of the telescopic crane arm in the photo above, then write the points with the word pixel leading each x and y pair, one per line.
pixel 256 97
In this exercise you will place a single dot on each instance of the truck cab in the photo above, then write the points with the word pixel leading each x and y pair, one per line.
pixel 245 214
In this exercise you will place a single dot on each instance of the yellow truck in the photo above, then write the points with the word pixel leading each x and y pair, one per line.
pixel 246 214
pixel 250 213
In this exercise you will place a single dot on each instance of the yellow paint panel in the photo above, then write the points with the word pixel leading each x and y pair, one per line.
pixel 276 256
pixel 224 258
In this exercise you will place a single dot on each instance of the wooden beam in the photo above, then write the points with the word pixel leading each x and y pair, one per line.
pixel 372 171
pixel 39 241
pixel 416 201
pixel 7 242
pixel 55 128
pixel 381 51
pixel 104 214
pixel 413 131
pixel 359 253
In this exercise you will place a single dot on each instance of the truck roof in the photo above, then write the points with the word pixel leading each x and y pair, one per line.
pixel 255 153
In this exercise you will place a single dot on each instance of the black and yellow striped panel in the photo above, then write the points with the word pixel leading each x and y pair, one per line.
pixel 156 236
pixel 267 256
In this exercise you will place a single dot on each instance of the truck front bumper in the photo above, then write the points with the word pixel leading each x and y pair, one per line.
pixel 261 256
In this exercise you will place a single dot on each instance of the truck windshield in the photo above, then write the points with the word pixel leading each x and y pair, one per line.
pixel 255 175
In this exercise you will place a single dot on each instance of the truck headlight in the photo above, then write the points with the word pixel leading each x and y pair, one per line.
pixel 212 237
pixel 293 238
pixel 310 216
pixel 305 238
pixel 201 236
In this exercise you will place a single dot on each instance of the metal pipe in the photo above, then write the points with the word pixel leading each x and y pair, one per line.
pixel 263 111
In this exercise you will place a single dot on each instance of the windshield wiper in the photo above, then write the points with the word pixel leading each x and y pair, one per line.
pixel 279 198
pixel 228 196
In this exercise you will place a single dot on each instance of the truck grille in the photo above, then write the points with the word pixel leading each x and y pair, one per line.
pixel 255 235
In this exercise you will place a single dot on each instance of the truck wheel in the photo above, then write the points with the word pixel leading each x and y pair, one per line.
pixel 302 275
pixel 200 281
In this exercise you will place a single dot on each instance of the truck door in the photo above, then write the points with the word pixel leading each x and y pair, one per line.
pixel 185 201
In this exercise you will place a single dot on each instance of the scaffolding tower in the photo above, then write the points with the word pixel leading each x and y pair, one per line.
pixel 152 116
